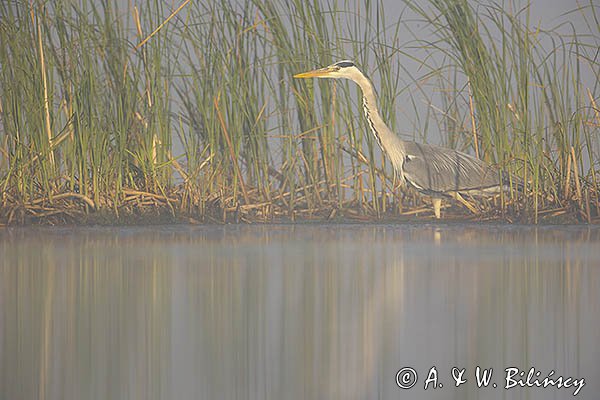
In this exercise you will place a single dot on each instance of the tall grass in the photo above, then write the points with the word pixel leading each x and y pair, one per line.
pixel 82 111
pixel 201 115
pixel 531 114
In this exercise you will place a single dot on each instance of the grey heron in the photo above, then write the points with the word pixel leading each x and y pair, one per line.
pixel 433 170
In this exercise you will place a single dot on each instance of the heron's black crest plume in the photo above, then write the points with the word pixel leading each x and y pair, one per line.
pixel 344 64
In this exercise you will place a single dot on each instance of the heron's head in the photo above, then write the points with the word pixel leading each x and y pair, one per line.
pixel 341 69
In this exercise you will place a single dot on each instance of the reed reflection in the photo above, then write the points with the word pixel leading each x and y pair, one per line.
pixel 293 311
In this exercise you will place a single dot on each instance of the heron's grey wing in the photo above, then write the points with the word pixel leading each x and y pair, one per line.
pixel 439 169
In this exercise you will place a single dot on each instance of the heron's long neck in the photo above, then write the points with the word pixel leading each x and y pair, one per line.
pixel 389 142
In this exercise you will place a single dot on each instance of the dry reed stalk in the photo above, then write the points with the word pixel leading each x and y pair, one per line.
pixel 576 176
pixel 594 106
pixel 552 210
pixel 419 210
pixel 567 180
pixel 79 196
pixel 597 114
pixel 248 207
pixel 45 84
pixel 174 13
pixel 136 19
pixel 65 134
pixel 131 192
pixel 177 167
pixel 383 186
pixel 473 125
pixel 587 207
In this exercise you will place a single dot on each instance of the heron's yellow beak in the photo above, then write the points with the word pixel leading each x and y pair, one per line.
pixel 317 73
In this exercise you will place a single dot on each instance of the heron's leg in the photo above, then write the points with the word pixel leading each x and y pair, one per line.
pixel 465 203
pixel 437 205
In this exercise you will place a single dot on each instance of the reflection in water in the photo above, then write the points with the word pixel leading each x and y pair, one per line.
pixel 295 312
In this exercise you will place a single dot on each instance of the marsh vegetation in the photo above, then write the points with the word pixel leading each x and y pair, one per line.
pixel 191 113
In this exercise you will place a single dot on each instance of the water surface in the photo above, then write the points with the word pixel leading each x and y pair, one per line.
pixel 296 311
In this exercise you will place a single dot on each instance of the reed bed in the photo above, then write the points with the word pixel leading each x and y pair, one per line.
pixel 153 113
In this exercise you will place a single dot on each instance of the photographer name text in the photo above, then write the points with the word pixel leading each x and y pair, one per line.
pixel 511 377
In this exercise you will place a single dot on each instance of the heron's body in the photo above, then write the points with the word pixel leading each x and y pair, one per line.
pixel 432 170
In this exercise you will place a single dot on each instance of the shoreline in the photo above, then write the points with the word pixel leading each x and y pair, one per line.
pixel 141 208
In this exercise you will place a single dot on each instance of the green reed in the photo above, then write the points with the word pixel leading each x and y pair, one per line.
pixel 95 99
pixel 523 89
pixel 87 111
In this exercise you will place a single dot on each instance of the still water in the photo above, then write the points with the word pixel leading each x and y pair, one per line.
pixel 299 312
